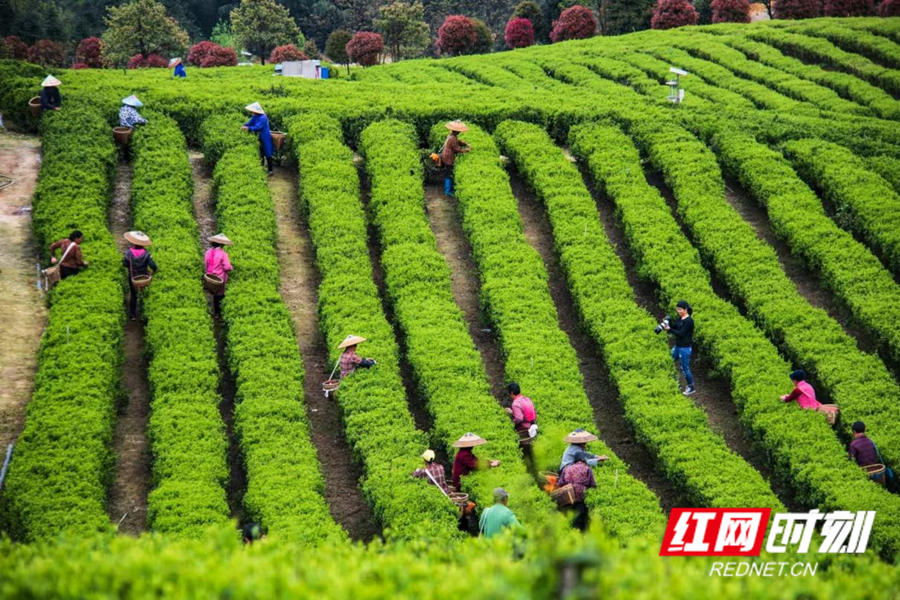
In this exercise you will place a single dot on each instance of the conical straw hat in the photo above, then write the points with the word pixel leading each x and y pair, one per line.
pixel 351 340
pixel 580 436
pixel 220 238
pixel 138 238
pixel 470 440
pixel 255 108
pixel 457 126
pixel 50 81
pixel 174 62
pixel 132 101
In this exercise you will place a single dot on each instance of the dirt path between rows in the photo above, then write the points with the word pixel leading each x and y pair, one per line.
pixel 453 245
pixel 806 282
pixel 609 414
pixel 713 391
pixel 299 285
pixel 23 316
pixel 128 494
pixel 205 215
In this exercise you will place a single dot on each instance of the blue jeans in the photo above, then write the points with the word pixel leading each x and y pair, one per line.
pixel 685 355
pixel 448 185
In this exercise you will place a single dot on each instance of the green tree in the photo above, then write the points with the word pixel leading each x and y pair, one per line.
pixel 141 27
pixel 404 29
pixel 704 11
pixel 624 16
pixel 336 47
pixel 484 38
pixel 532 11
pixel 260 25
pixel 223 35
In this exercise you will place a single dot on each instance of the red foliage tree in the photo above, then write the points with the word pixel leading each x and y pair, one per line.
pixel 456 35
pixel 80 65
pixel 15 48
pixel 849 8
pixel 730 11
pixel 575 23
pixel 519 33
pixel 47 53
pixel 365 47
pixel 88 53
pixel 286 52
pixel 669 14
pixel 797 9
pixel 889 8
pixel 151 61
pixel 220 57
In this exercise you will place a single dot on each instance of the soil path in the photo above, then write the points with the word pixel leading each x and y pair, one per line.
pixel 128 495
pixel 23 316
pixel 807 282
pixel 205 215
pixel 453 245
pixel 609 414
pixel 299 285
pixel 713 391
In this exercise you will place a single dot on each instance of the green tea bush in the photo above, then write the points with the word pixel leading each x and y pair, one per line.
pixel 445 363
pixel 187 436
pixel 516 295
pixel 675 429
pixel 874 47
pixel 377 421
pixel 804 450
pixel 62 464
pixel 284 479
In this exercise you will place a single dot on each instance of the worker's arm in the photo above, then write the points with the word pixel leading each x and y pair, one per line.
pixel 226 264
pixel 365 363
pixel 152 264
pixel 518 415
pixel 795 393
pixel 254 125
pixel 46 103
pixel 76 254
pixel 854 453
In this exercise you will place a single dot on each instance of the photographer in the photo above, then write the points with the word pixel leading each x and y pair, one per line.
pixel 683 330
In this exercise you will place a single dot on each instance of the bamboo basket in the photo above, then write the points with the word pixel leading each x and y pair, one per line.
pixel 876 473
pixel 460 499
pixel 213 283
pixel 564 496
pixel 141 281
pixel 278 139
pixel 830 411
pixel 35 105
pixel 122 135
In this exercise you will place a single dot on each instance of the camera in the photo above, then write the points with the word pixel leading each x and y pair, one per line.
pixel 663 325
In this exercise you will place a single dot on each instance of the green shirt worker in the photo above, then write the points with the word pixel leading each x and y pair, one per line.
pixel 498 517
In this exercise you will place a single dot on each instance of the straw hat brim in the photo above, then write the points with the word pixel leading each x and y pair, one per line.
pixel 469 443
pixel 457 126
pixel 51 81
pixel 255 108
pixel 220 238
pixel 351 340
pixel 132 238
pixel 581 438
pixel 174 62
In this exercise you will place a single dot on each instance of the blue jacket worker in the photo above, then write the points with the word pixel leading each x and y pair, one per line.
pixel 259 124
pixel 178 66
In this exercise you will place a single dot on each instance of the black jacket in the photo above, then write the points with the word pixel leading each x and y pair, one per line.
pixel 138 266
pixel 683 330
pixel 50 98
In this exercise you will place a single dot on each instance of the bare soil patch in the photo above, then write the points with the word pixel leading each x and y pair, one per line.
pixel 23 317
pixel 299 285
pixel 128 494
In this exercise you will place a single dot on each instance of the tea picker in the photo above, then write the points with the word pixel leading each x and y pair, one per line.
pixel 178 66
pixel 452 146
pixel 465 461
pixel 348 362
pixel 129 117
pixel 50 99
pixel 259 124
pixel 139 263
pixel 217 269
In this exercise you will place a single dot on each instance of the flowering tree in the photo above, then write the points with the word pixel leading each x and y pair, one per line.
pixel 673 13
pixel 286 52
pixel 730 11
pixel 88 53
pixel 849 8
pixel 457 35
pixel 14 48
pixel 798 9
pixel 47 53
pixel 575 23
pixel 519 33
pixel 365 47
pixel 151 61
pixel 209 54
pixel 889 8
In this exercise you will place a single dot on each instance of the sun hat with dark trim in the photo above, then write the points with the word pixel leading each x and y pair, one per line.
pixel 470 440
pixel 580 436
pixel 138 238
pixel 351 340
pixel 457 126
pixel 132 101
pixel 50 81
pixel 255 108
pixel 220 238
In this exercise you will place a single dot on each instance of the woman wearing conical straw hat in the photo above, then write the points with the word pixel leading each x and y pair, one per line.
pixel 575 451
pixel 217 264
pixel 452 146
pixel 50 98
pixel 138 261
pixel 350 360
pixel 176 64
pixel 575 470
pixel 128 114
pixel 465 461
pixel 259 124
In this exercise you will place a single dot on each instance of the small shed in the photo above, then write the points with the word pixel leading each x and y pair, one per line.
pixel 309 69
